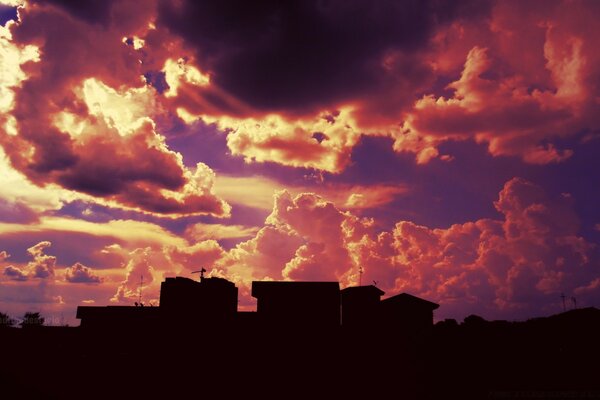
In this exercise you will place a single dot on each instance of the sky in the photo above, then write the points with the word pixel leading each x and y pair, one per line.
pixel 446 149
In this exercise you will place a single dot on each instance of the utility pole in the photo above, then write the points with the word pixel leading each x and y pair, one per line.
pixel 562 296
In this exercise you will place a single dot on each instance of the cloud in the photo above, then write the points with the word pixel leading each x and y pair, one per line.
pixel 528 81
pixel 513 266
pixel 140 272
pixel 135 233
pixel 195 257
pixel 305 56
pixel 70 107
pixel 42 266
pixel 304 238
pixel 520 97
pixel 323 255
pixel 201 231
pixel 79 273
pixel 262 257
pixel 323 142
pixel 311 107
pixel 15 273
pixel 4 255
pixel 234 189
pixel 342 70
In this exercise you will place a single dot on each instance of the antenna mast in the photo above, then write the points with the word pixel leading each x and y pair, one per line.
pixel 360 273
pixel 202 271
pixel 562 296
pixel 141 285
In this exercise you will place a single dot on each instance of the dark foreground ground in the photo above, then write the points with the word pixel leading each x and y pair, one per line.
pixel 549 358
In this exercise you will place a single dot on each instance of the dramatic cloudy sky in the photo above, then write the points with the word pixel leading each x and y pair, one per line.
pixel 445 149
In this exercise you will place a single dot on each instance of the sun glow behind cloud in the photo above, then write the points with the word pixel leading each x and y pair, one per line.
pixel 180 71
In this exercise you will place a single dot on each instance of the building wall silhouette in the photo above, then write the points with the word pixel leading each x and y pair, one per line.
pixel 307 304
pixel 360 305
pixel 211 299
pixel 211 303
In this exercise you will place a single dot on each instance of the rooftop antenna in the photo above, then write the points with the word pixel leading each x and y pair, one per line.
pixel 375 283
pixel 360 273
pixel 574 300
pixel 201 271
pixel 141 285
pixel 563 297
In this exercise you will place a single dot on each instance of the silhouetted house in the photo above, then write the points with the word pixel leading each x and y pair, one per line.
pixel 407 313
pixel 183 302
pixel 307 304
pixel 213 299
pixel 360 306
pixel 211 303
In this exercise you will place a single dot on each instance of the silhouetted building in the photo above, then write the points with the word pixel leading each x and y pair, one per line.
pixel 183 302
pixel 211 303
pixel 360 305
pixel 309 304
pixel 209 299
pixel 407 312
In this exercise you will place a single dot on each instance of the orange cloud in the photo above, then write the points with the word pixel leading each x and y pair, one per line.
pixel 89 127
pixel 516 264
pixel 79 273
pixel 528 80
pixel 323 142
pixel 234 189
pixel 201 231
pixel 42 266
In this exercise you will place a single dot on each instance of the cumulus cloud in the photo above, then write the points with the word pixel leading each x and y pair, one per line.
pixel 15 273
pixel 140 273
pixel 42 266
pixel 516 265
pixel 304 237
pixel 200 255
pixel 512 266
pixel 79 273
pixel 528 81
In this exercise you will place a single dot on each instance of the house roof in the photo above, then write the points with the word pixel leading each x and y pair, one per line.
pixel 408 299
pixel 260 288
pixel 363 290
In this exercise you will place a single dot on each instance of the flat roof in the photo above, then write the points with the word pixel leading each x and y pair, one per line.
pixel 261 287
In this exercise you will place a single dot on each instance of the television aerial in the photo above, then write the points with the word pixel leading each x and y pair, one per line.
pixel 201 271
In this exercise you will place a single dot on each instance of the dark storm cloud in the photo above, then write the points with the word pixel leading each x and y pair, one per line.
pixel 302 54
pixel 93 11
